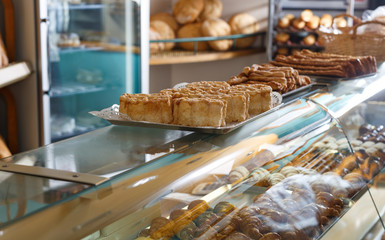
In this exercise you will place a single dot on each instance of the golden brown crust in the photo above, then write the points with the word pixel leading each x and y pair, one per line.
pixel 190 31
pixel 212 9
pixel 165 32
pixel 167 18
pixel 187 11
pixel 216 27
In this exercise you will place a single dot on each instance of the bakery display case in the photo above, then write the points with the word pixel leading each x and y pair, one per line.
pixel 306 170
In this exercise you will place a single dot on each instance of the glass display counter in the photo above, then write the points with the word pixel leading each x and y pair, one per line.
pixel 304 171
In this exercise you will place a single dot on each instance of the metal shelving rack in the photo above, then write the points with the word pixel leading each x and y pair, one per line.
pixel 277 7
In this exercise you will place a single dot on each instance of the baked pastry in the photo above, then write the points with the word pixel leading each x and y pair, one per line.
pixel 216 27
pixel 212 9
pixel 314 22
pixel 326 20
pixel 298 23
pixel 306 15
pixel 167 18
pixel 244 23
pixel 238 173
pixel 340 22
pixel 165 32
pixel 190 31
pixel 187 11
pixel 199 112
pixel 284 22
pixel 155 47
pixel 282 37
pixel 309 40
pixel 259 95
pixel 147 107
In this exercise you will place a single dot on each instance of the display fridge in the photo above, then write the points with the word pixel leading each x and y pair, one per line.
pixel 90 52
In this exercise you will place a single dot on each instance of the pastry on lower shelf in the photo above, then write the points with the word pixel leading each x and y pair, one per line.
pixel 238 174
pixel 309 40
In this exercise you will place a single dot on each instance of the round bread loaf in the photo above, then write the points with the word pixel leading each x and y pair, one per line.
pixel 282 37
pixel 187 11
pixel 167 18
pixel 155 47
pixel 243 23
pixel 314 22
pixel 309 40
pixel 216 27
pixel 190 31
pixel 165 32
pixel 340 22
pixel 306 15
pixel 298 23
pixel 284 22
pixel 212 9
pixel 326 20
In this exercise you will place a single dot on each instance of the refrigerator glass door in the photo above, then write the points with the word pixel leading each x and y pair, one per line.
pixel 93 57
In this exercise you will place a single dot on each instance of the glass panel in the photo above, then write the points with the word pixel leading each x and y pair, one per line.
pixel 364 126
pixel 22 195
pixel 108 151
pixel 94 57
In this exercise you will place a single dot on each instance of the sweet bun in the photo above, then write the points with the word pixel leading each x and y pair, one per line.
pixel 243 23
pixel 165 32
pixel 282 37
pixel 313 23
pixel 326 20
pixel 290 16
pixel 167 18
pixel 298 23
pixel 187 11
pixel 340 22
pixel 306 15
pixel 216 27
pixel 190 31
pixel 309 40
pixel 212 9
pixel 284 22
pixel 155 47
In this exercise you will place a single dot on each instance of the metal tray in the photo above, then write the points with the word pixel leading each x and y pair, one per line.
pixel 216 130
pixel 320 78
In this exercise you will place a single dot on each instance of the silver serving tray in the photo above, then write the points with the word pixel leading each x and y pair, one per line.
pixel 216 130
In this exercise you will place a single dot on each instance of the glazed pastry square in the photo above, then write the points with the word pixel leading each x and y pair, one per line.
pixel 259 95
pixel 199 112
pixel 147 107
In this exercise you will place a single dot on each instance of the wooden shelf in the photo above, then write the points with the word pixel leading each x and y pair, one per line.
pixel 175 57
pixel 13 73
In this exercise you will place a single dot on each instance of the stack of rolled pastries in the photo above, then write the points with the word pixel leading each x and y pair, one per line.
pixel 314 63
pixel 280 79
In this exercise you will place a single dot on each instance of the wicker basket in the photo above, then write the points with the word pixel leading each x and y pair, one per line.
pixel 351 43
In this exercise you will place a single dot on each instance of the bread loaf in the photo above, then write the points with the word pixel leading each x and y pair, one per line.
pixel 212 9
pixel 167 18
pixel 187 11
pixel 244 23
pixel 216 27
pixel 192 30
pixel 165 32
